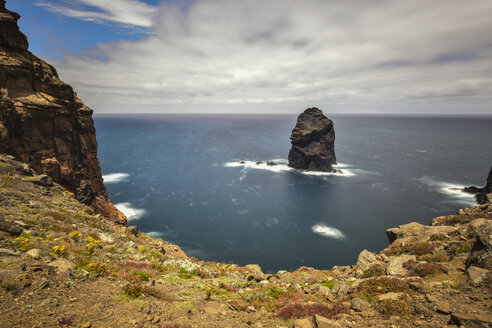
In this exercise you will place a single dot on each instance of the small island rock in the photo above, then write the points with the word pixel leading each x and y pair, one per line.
pixel 313 142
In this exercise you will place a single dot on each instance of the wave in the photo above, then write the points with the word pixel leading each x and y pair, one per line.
pixel 115 177
pixel 281 166
pixel 131 213
pixel 453 190
pixel 327 231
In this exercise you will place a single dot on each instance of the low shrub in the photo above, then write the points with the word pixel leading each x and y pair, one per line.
pixel 94 268
pixel 138 290
pixel 142 275
pixel 424 269
pixel 58 250
pixel 383 285
pixel 299 310
pixel 375 270
pixel 388 308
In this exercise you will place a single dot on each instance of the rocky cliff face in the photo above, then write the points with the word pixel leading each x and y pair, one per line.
pixel 44 124
pixel 313 142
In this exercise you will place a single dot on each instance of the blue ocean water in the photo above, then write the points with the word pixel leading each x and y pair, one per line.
pixel 178 177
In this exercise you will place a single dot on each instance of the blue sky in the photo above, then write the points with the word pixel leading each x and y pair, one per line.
pixel 379 56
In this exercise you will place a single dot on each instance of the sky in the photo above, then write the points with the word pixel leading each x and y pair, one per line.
pixel 275 56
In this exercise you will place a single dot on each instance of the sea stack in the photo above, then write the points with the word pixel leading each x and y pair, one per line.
pixel 484 194
pixel 313 142
pixel 44 124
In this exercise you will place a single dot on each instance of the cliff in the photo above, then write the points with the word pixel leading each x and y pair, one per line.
pixel 62 266
pixel 44 123
pixel 313 142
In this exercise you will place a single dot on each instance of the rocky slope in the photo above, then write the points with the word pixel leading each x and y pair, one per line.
pixel 63 266
pixel 313 142
pixel 44 124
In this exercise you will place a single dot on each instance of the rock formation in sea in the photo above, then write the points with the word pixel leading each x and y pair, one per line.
pixel 313 142
pixel 44 123
pixel 482 194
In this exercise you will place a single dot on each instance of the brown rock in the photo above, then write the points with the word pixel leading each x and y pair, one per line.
pixel 44 124
pixel 303 323
pixel 477 275
pixel 313 142
pixel 471 320
pixel 322 322
pixel 395 265
pixel 444 307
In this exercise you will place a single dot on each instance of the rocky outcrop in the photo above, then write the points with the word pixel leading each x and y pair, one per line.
pixel 483 195
pixel 44 123
pixel 313 142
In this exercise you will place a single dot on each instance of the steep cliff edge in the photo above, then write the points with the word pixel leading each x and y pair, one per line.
pixel 44 124
pixel 313 142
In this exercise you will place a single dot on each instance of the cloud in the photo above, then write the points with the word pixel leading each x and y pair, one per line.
pixel 126 12
pixel 284 55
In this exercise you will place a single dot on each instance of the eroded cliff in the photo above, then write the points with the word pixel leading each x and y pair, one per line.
pixel 44 123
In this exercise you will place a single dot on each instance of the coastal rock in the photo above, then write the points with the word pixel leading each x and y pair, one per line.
pixel 44 124
pixel 482 194
pixel 395 266
pixel 313 142
pixel 481 254
pixel 419 231
pixel 365 261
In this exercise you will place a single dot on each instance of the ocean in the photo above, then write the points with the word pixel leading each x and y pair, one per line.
pixel 178 177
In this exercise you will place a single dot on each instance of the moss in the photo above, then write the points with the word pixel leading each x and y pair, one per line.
pixel 464 249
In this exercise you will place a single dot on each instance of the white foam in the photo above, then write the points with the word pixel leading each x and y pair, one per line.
pixel 453 190
pixel 131 213
pixel 327 231
pixel 115 177
pixel 283 167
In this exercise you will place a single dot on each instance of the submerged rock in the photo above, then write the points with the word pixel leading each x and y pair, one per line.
pixel 313 142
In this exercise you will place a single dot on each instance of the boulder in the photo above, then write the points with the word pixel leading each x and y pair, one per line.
pixel 41 180
pixel 313 142
pixel 477 275
pixel 359 304
pixel 389 296
pixel 481 253
pixel 418 231
pixel 63 265
pixel 322 322
pixel 303 323
pixel 35 253
pixel 8 252
pixel 365 261
pixel 9 226
pixel 471 320
pixel 395 265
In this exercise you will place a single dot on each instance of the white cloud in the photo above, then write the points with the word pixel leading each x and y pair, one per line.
pixel 284 55
pixel 127 12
